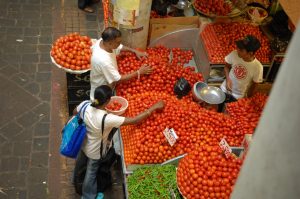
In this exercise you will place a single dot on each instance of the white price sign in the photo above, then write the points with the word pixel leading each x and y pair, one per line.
pixel 170 135
pixel 225 147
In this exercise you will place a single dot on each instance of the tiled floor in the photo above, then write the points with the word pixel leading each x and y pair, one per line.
pixel 30 165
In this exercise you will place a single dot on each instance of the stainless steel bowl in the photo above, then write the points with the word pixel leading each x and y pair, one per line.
pixel 197 89
pixel 182 4
pixel 212 95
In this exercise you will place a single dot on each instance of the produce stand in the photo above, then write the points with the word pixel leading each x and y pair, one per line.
pixel 189 39
pixel 183 39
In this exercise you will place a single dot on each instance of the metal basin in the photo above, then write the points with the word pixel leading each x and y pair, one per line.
pixel 182 4
pixel 197 89
pixel 212 95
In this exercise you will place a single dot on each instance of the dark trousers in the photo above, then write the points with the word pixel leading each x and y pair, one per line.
pixel 229 98
pixel 84 3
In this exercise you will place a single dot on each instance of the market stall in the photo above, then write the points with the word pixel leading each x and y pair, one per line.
pixel 209 146
pixel 142 148
pixel 146 145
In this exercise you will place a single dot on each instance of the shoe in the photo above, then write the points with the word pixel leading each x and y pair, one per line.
pixel 100 196
pixel 88 10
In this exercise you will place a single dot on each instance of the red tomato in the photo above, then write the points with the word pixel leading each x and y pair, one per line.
pixel 64 51
pixel 114 106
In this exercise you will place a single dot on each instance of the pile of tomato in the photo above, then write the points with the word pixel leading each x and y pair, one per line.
pixel 207 173
pixel 194 125
pixel 247 112
pixel 213 7
pixel 219 40
pixel 166 71
pixel 114 106
pixel 72 51
pixel 145 143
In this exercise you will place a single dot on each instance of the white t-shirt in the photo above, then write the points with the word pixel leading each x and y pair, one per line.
pixel 104 68
pixel 93 121
pixel 242 74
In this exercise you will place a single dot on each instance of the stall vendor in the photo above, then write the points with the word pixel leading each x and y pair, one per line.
pixel 104 68
pixel 242 70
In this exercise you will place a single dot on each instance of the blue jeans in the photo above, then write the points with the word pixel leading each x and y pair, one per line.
pixel 89 187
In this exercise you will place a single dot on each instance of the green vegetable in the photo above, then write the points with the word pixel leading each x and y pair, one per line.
pixel 153 182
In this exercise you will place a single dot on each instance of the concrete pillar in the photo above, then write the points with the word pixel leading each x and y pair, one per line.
pixel 272 167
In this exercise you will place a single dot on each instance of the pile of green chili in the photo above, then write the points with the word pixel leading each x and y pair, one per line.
pixel 155 182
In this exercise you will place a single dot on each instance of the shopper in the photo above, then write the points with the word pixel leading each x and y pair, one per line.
pixel 104 68
pixel 242 70
pixel 91 147
pixel 85 5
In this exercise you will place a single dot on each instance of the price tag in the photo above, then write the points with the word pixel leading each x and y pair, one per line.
pixel 170 135
pixel 225 147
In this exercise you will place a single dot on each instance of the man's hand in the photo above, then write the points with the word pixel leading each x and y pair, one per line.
pixel 228 84
pixel 140 55
pixel 145 70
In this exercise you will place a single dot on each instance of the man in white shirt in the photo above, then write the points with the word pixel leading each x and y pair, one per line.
pixel 104 68
pixel 242 70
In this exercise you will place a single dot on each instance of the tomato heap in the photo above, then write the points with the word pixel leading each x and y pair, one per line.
pixel 72 51
pixel 165 74
pixel 247 111
pixel 114 106
pixel 207 173
pixel 145 143
pixel 213 7
pixel 180 57
pixel 219 40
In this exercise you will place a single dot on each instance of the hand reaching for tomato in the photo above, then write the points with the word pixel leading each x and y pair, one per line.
pixel 141 55
pixel 159 105
pixel 145 70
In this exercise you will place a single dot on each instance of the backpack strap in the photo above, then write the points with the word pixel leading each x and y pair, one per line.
pixel 86 105
pixel 83 108
pixel 102 127
pixel 109 138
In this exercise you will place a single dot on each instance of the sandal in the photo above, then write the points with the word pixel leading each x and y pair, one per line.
pixel 88 9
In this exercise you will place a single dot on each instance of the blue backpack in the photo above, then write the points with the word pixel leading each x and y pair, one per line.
pixel 73 134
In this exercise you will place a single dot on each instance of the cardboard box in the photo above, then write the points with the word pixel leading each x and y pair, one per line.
pixel 161 26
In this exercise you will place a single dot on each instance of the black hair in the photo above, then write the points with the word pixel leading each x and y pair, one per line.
pixel 102 95
pixel 250 43
pixel 110 34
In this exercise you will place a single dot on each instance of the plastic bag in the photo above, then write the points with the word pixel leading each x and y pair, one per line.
pixel 73 134
pixel 182 88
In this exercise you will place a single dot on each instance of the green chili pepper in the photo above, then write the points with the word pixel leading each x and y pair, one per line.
pixel 153 182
